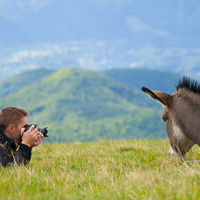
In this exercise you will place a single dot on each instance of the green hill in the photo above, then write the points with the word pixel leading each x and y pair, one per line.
pixel 87 105
pixel 152 79
pixel 88 94
pixel 25 79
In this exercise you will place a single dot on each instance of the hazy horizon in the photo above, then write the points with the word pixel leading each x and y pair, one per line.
pixel 100 34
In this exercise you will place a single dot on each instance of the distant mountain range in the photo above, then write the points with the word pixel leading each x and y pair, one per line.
pixel 85 105
pixel 155 80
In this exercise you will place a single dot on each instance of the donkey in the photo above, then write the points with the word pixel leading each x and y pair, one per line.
pixel 181 114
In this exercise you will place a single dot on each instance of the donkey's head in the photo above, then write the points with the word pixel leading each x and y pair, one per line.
pixel 181 114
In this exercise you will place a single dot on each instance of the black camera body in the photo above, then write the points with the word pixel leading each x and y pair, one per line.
pixel 42 130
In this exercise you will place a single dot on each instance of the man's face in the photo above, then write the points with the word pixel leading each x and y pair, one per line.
pixel 17 130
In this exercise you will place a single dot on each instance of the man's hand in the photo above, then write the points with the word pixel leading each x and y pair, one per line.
pixel 32 137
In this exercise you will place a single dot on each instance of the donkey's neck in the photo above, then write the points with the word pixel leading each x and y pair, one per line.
pixel 185 113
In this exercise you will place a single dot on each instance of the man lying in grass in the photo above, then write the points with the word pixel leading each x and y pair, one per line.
pixel 15 144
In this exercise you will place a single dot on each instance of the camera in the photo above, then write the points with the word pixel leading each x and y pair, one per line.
pixel 42 130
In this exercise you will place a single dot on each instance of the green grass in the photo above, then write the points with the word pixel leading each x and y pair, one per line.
pixel 129 169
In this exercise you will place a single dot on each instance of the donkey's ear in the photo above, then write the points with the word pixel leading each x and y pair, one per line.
pixel 164 99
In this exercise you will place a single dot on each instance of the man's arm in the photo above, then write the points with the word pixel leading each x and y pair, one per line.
pixel 30 139
pixel 10 156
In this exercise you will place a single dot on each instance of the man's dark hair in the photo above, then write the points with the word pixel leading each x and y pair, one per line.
pixel 11 115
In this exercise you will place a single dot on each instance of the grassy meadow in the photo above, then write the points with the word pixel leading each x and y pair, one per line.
pixel 127 169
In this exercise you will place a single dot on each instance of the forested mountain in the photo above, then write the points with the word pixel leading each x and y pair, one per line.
pixel 85 105
pixel 87 94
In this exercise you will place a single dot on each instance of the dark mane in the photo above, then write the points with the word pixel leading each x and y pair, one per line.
pixel 189 84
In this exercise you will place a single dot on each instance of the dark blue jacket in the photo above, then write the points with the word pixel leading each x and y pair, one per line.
pixel 13 154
